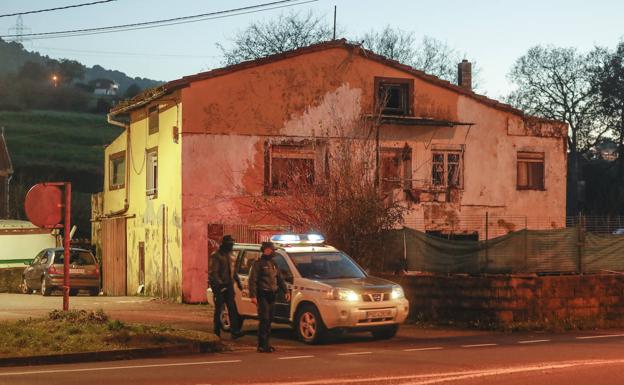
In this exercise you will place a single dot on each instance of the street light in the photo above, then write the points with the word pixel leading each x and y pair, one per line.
pixel 55 80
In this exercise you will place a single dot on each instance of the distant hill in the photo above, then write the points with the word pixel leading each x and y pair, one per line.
pixel 13 56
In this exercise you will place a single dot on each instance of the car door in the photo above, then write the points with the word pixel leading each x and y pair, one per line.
pixel 282 307
pixel 243 267
pixel 29 273
pixel 39 269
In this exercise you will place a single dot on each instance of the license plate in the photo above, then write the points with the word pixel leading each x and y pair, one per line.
pixel 76 271
pixel 379 314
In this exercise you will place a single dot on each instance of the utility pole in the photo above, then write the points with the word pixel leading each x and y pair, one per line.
pixel 334 22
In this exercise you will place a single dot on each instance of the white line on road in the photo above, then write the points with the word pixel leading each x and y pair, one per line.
pixel 532 341
pixel 600 336
pixel 294 357
pixel 117 368
pixel 423 349
pixel 478 345
pixel 354 353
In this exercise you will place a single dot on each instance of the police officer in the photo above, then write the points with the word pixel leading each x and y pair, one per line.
pixel 222 281
pixel 265 279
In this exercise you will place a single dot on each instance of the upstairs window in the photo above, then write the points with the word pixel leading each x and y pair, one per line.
pixel 152 119
pixel 530 171
pixel 117 170
pixel 447 166
pixel 291 167
pixel 394 96
pixel 152 173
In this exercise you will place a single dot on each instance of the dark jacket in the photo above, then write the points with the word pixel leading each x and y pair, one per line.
pixel 265 276
pixel 220 270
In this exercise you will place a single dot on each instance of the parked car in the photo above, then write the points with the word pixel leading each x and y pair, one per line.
pixel 619 231
pixel 45 272
pixel 329 291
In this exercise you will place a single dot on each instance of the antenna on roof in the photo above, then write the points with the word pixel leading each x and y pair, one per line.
pixel 334 22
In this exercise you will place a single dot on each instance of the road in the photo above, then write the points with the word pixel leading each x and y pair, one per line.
pixel 411 358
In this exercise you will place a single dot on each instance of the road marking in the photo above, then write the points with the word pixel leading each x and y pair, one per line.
pixel 532 341
pixel 423 349
pixel 600 336
pixel 294 357
pixel 478 345
pixel 434 378
pixel 117 368
pixel 354 353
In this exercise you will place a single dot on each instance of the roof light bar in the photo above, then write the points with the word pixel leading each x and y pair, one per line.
pixel 301 239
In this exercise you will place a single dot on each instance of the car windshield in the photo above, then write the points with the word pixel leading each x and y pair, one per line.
pixel 80 258
pixel 331 265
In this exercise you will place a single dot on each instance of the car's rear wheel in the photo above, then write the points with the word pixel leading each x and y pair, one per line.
pixel 94 292
pixel 385 332
pixel 73 292
pixel 45 290
pixel 309 325
pixel 25 288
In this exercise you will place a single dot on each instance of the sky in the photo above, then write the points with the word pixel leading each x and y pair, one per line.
pixel 493 33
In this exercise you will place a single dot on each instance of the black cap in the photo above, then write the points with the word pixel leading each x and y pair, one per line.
pixel 227 239
pixel 266 245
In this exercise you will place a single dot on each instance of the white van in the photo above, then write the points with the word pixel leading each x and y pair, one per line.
pixel 329 291
pixel 21 241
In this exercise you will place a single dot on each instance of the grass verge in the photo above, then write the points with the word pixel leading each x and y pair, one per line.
pixel 82 331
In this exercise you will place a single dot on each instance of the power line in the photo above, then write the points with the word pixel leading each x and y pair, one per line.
pixel 120 53
pixel 57 8
pixel 167 22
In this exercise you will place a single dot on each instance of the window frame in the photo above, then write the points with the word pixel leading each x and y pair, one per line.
pixel 404 157
pixel 526 157
pixel 153 119
pixel 446 152
pixel 407 83
pixel 111 158
pixel 153 192
pixel 307 151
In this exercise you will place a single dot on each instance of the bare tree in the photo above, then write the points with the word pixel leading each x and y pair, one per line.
pixel 287 32
pixel 556 83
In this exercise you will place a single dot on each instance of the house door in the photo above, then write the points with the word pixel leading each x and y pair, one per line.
pixel 114 256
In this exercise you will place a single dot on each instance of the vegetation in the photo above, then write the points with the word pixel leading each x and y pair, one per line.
pixel 82 331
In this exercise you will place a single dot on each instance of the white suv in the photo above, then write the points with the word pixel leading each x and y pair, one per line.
pixel 329 291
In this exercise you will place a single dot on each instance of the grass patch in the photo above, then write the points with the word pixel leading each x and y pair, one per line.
pixel 83 331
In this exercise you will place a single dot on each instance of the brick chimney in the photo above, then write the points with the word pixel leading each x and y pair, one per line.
pixel 464 74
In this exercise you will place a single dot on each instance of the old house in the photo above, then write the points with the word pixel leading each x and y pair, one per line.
pixel 6 171
pixel 197 149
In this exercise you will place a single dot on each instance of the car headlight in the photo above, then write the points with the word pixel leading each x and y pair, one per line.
pixel 397 292
pixel 345 295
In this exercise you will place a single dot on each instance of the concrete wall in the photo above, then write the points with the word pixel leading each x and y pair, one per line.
pixel 228 119
pixel 156 221
pixel 515 299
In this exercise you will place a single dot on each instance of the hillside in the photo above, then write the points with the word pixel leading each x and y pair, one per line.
pixel 13 56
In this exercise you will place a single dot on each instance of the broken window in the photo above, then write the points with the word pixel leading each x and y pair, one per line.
pixel 447 168
pixel 117 170
pixel 152 173
pixel 530 171
pixel 152 119
pixel 395 168
pixel 292 167
pixel 393 96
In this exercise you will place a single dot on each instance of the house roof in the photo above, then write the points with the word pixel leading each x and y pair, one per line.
pixel 154 93
pixel 6 167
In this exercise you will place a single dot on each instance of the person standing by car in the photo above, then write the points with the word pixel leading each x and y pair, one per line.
pixel 222 281
pixel 265 279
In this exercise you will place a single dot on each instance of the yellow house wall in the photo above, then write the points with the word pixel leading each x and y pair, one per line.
pixel 156 221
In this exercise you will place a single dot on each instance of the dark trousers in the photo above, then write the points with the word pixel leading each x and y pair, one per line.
pixel 225 298
pixel 266 306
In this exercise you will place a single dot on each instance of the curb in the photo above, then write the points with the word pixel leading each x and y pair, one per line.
pixel 112 355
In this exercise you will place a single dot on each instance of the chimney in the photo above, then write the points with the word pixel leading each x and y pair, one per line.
pixel 464 74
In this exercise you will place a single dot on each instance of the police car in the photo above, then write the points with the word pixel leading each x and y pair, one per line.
pixel 329 291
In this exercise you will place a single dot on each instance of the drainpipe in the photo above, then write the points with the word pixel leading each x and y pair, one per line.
pixel 110 120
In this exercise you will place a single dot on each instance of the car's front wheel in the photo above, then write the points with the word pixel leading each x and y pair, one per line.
pixel 309 325
pixel 45 290
pixel 385 332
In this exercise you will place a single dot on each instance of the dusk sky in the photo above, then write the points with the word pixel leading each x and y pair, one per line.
pixel 492 32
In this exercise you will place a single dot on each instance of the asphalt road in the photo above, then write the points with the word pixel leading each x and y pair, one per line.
pixel 410 358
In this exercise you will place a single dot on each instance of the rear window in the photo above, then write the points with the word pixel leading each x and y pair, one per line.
pixel 80 258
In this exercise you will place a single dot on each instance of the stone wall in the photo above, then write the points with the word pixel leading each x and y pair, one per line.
pixel 506 300
pixel 10 280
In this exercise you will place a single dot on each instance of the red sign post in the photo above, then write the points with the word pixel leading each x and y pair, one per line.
pixel 44 208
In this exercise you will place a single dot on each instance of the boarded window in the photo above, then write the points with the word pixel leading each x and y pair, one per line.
pixel 530 171
pixel 396 168
pixel 446 168
pixel 117 170
pixel 152 173
pixel 152 119
pixel 393 96
pixel 291 167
